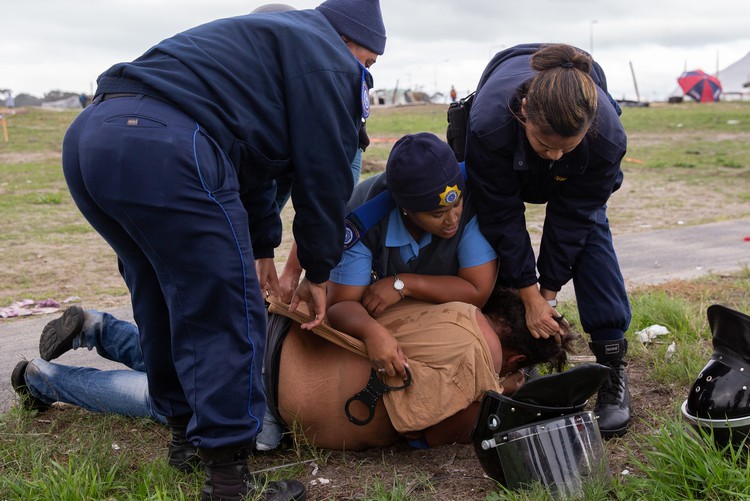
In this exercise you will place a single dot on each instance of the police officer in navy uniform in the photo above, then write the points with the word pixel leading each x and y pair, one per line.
pixel 543 129
pixel 174 165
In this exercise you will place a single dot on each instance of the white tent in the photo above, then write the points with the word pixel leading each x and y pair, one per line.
pixel 734 78
pixel 67 103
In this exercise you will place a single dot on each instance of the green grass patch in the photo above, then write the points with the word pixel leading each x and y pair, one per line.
pixel 397 121
pixel 681 464
pixel 688 117
pixel 37 130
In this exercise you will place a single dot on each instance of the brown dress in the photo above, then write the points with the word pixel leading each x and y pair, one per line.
pixel 448 355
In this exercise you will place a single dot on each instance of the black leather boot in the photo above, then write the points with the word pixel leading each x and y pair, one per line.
pixel 182 454
pixel 228 479
pixel 18 382
pixel 613 400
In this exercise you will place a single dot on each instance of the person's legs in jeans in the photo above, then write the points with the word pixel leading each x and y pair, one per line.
pixel 112 338
pixel 123 392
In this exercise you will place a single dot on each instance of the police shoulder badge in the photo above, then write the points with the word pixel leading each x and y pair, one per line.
pixel 351 235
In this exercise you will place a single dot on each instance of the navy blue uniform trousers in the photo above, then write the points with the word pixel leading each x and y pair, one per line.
pixel 166 199
pixel 600 289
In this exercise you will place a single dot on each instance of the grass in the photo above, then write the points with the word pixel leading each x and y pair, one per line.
pixel 681 465
pixel 693 118
pixel 69 454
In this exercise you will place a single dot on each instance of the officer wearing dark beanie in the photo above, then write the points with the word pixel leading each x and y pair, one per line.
pixel 416 236
pixel 197 130
pixel 272 7
pixel 359 20
pixel 421 175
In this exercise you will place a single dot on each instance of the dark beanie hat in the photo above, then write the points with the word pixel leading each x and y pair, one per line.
pixel 359 20
pixel 272 7
pixel 422 173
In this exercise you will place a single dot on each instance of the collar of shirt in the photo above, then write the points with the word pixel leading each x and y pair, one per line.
pixel 398 236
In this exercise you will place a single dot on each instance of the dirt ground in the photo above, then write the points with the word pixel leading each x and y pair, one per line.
pixel 646 202
pixel 79 264
pixel 448 473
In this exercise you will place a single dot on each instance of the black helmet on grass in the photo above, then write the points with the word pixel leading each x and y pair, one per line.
pixel 719 399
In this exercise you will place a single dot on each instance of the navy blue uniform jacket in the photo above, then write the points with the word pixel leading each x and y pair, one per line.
pixel 504 172
pixel 280 94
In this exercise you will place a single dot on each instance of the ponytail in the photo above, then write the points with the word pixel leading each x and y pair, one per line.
pixel 562 97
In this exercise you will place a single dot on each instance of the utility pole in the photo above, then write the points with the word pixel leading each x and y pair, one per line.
pixel 591 37
pixel 635 83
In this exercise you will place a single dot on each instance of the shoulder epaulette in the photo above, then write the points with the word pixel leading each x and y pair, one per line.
pixel 367 215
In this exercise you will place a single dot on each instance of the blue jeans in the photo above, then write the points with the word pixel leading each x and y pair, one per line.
pixel 106 391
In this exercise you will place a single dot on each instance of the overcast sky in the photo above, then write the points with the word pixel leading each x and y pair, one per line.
pixel 432 44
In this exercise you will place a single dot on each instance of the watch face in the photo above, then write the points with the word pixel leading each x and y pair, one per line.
pixel 398 284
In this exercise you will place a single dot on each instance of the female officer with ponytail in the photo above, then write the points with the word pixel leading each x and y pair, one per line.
pixel 543 129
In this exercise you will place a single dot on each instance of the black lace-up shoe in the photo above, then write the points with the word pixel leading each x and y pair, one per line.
pixel 182 454
pixel 18 382
pixel 613 400
pixel 57 336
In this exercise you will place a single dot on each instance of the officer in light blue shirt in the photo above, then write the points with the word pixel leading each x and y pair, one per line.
pixel 411 233
pixel 355 267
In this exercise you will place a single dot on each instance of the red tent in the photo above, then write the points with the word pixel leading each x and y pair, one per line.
pixel 701 86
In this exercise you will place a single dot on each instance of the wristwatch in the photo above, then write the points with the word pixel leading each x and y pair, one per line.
pixel 398 284
pixel 552 302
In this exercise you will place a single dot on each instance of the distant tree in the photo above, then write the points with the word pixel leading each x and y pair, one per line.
pixel 27 100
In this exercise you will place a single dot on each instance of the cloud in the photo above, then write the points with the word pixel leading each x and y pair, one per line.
pixel 432 44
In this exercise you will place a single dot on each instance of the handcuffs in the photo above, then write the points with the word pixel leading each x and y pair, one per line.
pixel 370 395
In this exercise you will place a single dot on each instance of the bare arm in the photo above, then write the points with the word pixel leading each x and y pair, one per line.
pixel 347 314
pixel 472 285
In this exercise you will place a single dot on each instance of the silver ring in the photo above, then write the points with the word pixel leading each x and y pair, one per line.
pixel 267 293
pixel 381 369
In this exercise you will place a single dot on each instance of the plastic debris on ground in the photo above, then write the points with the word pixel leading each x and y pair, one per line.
pixel 670 350
pixel 27 307
pixel 649 334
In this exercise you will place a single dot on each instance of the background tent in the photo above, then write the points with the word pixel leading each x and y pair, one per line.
pixel 701 86
pixel 735 76
pixel 67 103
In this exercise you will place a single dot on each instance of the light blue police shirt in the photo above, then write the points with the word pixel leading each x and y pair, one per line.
pixel 355 267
